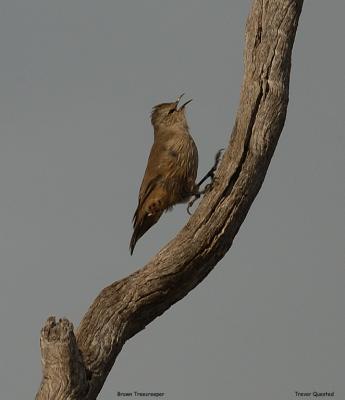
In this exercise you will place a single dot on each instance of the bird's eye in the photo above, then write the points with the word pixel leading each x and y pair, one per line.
pixel 171 110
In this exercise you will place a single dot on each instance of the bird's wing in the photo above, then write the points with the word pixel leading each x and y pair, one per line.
pixel 159 163
pixel 148 213
pixel 153 196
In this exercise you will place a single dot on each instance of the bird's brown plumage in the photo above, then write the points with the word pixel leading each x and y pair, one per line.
pixel 171 168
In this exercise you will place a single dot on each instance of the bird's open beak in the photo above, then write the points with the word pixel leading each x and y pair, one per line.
pixel 178 100
pixel 184 104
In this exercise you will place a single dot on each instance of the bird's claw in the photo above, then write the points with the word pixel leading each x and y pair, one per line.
pixel 218 155
pixel 208 187
pixel 190 204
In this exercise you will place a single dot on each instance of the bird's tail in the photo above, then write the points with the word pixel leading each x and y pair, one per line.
pixel 141 225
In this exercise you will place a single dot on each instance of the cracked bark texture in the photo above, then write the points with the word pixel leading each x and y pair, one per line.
pixel 76 366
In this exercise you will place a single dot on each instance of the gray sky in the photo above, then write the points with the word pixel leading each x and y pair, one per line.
pixel 77 83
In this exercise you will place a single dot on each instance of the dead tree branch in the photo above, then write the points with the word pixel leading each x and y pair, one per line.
pixel 75 367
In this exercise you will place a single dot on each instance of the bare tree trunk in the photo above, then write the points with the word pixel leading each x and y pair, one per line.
pixel 76 366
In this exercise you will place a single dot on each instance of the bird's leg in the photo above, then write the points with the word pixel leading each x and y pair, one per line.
pixel 210 174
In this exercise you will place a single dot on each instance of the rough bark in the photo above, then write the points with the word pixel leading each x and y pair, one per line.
pixel 76 366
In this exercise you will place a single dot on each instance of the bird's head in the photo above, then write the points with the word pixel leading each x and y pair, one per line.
pixel 168 114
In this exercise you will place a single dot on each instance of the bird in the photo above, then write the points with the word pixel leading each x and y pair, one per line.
pixel 171 171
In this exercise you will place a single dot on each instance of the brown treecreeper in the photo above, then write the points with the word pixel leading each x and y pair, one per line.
pixel 171 168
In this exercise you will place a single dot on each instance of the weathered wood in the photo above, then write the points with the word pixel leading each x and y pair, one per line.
pixel 64 374
pixel 127 306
